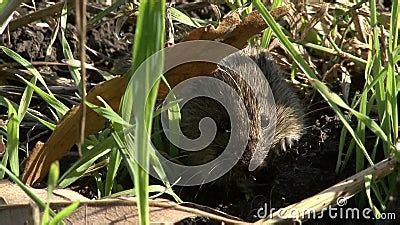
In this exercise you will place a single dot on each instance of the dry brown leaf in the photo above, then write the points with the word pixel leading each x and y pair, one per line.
pixel 19 209
pixel 211 33
pixel 13 195
pixel 66 133
pixel 234 32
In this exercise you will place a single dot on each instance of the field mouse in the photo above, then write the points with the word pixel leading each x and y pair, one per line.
pixel 288 109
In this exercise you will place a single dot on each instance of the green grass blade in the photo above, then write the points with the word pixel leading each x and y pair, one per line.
pixel 152 189
pixel 50 99
pixel 127 156
pixel 391 84
pixel 376 53
pixel 149 38
pixel 115 158
pixel 107 112
pixel 64 213
pixel 368 183
pixel 267 34
pixel 185 19
pixel 12 137
pixel 76 76
pixel 48 124
pixel 7 7
pixel 52 182
pixel 25 100
pixel 342 141
pixel 53 38
pixel 15 56
pixel 97 18
pixel 174 119
pixel 112 169
pixel 28 92
pixel 82 165
pixel 30 113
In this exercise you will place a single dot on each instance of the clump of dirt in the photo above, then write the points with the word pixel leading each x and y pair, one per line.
pixel 32 41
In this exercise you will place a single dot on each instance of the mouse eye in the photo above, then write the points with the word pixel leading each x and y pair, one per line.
pixel 264 121
pixel 224 126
